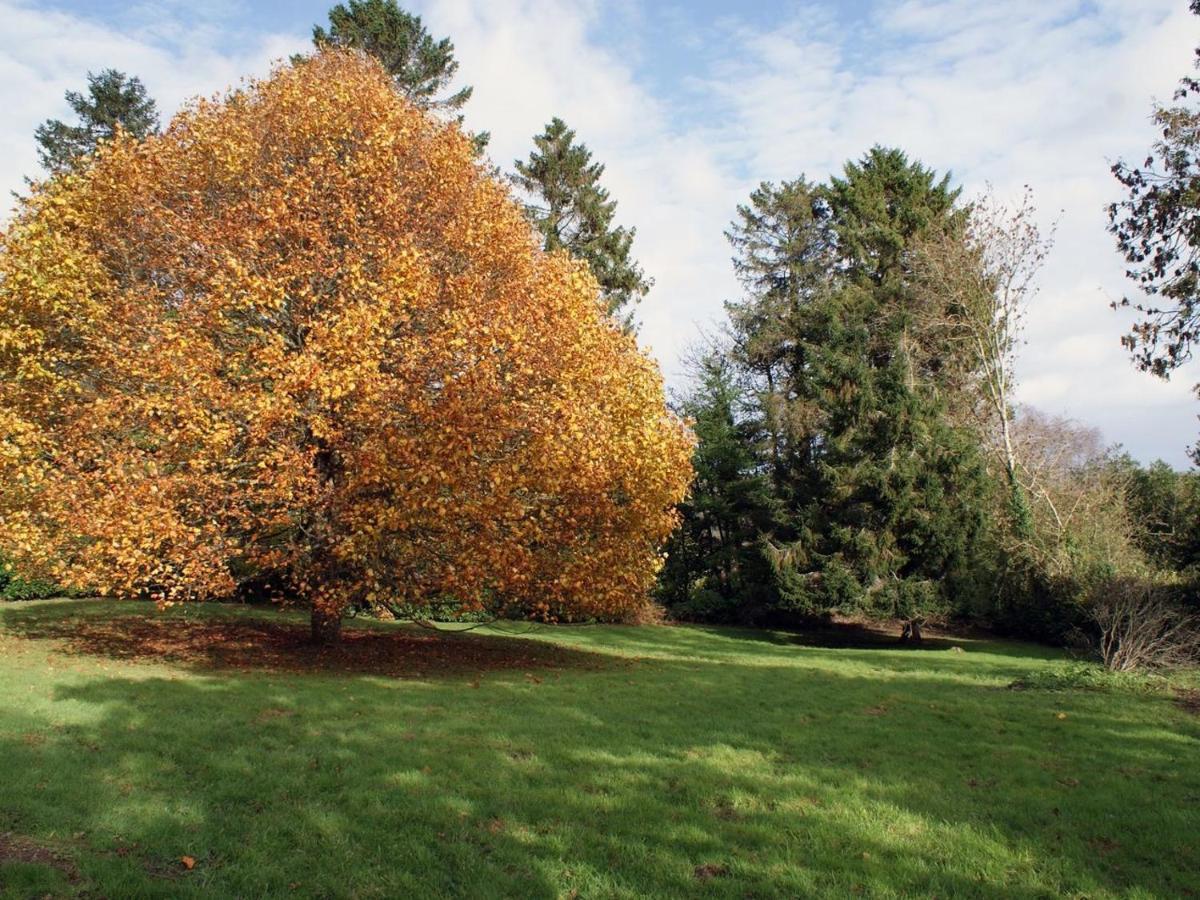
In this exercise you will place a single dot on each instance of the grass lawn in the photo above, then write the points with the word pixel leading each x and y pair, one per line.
pixel 573 762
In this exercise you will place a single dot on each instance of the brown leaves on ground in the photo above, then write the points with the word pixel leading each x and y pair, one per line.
pixel 18 849
pixel 284 646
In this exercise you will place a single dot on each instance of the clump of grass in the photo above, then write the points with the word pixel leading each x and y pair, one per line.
pixel 1088 676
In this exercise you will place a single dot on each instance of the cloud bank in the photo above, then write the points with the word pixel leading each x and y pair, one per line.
pixel 690 111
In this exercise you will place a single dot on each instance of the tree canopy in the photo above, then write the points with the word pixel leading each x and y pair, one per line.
pixel 113 102
pixel 303 332
pixel 574 212
pixel 421 66
pixel 1157 227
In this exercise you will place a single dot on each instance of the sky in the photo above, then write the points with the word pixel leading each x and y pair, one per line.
pixel 691 105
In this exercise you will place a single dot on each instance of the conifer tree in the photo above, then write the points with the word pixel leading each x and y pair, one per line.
pixel 880 492
pixel 715 568
pixel 574 213
pixel 113 100
pixel 783 245
pixel 421 67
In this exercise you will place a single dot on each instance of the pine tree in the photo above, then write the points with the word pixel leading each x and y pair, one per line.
pixel 574 213
pixel 783 244
pixel 113 100
pixel 896 506
pixel 880 492
pixel 421 67
pixel 715 568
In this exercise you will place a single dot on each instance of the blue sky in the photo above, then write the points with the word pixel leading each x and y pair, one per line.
pixel 691 104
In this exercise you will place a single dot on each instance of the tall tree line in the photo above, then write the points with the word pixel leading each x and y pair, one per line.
pixel 860 402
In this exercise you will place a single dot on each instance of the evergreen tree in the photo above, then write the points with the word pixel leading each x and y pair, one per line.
pixel 883 495
pixel 113 100
pixel 715 566
pixel 574 213
pixel 783 257
pixel 422 67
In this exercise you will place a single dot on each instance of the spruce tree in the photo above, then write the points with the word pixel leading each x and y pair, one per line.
pixel 881 494
pixel 897 504
pixel 715 568
pixel 783 244
pixel 113 100
pixel 421 66
pixel 574 213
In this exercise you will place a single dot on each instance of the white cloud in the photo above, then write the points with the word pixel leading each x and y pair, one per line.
pixel 44 53
pixel 1038 92
pixel 1044 92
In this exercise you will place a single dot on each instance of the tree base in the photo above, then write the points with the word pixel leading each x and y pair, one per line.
pixel 326 627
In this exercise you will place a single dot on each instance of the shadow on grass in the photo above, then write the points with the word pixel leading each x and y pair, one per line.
pixel 678 777
pixel 276 644
pixel 856 636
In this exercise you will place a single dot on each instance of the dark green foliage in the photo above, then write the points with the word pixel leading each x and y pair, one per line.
pixel 1037 602
pixel 1165 505
pixel 14 587
pixel 884 496
pixel 422 67
pixel 1158 232
pixel 716 569
pixel 783 245
pixel 574 213
pixel 113 100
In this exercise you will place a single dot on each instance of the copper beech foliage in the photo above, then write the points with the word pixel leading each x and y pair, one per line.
pixel 302 331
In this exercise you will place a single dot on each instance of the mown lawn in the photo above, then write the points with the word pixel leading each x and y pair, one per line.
pixel 668 762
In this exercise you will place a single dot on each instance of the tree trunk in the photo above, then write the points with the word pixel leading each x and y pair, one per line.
pixel 326 626
pixel 911 632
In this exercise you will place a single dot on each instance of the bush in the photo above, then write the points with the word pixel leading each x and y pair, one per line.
pixel 15 587
pixel 1138 628
pixel 703 604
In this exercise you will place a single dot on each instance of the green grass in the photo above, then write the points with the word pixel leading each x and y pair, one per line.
pixel 676 762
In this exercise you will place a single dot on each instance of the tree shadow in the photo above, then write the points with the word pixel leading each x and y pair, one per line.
pixel 253 643
pixel 679 777
pixel 858 636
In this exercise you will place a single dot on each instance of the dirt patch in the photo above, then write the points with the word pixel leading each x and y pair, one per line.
pixel 254 644
pixel 1189 700
pixel 17 849
pixel 709 871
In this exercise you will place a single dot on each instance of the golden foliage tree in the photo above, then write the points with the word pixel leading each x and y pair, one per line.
pixel 303 332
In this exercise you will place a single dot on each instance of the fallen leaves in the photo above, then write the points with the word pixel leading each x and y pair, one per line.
pixel 260 644
pixel 709 871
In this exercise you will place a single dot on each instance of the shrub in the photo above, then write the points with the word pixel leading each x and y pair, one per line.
pixel 1138 628
pixel 16 587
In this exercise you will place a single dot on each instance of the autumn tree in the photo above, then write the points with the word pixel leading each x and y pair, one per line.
pixel 303 332
pixel 574 212
pixel 422 67
pixel 113 101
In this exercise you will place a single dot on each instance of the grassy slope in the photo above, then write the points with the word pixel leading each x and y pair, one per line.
pixel 787 770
